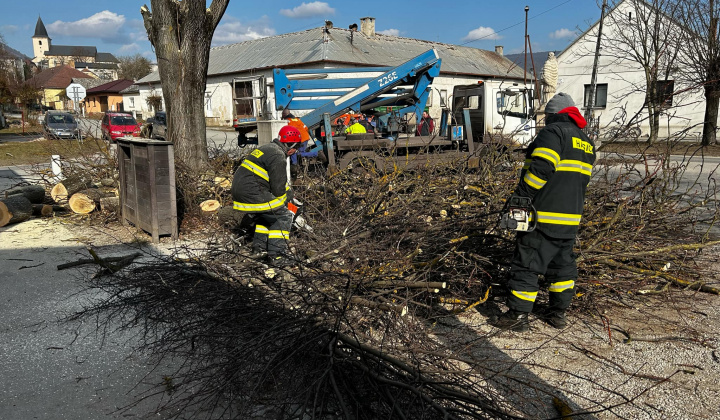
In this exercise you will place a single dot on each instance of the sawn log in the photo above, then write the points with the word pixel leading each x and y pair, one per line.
pixel 34 193
pixel 62 191
pixel 15 209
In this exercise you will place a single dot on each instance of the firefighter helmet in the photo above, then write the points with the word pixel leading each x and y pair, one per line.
pixel 289 134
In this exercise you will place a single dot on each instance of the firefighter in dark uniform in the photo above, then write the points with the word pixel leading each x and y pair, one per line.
pixel 557 170
pixel 261 186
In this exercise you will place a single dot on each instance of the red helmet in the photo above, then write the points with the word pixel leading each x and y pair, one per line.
pixel 289 134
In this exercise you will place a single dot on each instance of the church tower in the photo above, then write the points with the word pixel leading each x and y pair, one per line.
pixel 41 41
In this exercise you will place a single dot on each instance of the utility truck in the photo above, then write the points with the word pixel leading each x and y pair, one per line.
pixel 494 112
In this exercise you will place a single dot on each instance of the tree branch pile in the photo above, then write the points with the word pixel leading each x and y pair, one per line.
pixel 368 325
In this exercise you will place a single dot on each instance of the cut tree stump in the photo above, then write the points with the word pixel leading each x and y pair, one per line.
pixel 222 182
pixel 110 204
pixel 85 201
pixel 34 193
pixel 15 209
pixel 210 206
pixel 62 191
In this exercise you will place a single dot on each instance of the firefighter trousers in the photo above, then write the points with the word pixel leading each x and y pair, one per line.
pixel 272 231
pixel 536 254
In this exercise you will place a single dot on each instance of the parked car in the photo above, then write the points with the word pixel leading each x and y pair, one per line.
pixel 156 126
pixel 119 124
pixel 60 125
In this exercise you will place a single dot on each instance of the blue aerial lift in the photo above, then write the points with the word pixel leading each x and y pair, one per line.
pixel 405 88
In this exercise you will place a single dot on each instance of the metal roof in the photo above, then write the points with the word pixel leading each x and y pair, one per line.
pixel 72 50
pixel 114 86
pixel 345 47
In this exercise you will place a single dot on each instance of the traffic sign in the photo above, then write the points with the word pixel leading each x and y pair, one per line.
pixel 76 92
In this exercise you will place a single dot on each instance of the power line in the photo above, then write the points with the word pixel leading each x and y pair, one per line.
pixel 519 23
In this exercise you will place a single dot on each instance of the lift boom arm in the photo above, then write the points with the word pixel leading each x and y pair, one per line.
pixel 337 96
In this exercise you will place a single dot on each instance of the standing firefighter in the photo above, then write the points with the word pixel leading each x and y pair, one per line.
pixel 260 186
pixel 557 170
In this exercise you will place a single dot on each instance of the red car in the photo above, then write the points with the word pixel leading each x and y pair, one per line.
pixel 118 124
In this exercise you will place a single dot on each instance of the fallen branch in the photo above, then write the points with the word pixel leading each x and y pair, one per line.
pixel 100 261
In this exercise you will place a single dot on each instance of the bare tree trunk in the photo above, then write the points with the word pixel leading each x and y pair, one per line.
pixel 654 121
pixel 712 102
pixel 181 33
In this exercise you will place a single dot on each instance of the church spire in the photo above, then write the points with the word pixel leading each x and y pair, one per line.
pixel 40 30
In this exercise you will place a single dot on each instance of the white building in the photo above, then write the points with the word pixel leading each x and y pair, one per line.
pixel 328 47
pixel 621 82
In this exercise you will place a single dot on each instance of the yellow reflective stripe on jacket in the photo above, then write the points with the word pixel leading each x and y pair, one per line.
pixel 261 229
pixel 574 166
pixel 533 181
pixel 558 218
pixel 548 154
pixel 279 234
pixel 252 167
pixel 278 202
pixel 531 296
pixel 562 286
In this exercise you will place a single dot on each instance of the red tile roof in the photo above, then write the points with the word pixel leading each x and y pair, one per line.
pixel 56 78
pixel 111 87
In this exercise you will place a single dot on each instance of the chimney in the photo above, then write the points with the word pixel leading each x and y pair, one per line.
pixel 499 49
pixel 367 26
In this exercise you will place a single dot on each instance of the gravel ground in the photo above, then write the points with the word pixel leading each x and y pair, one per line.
pixel 52 369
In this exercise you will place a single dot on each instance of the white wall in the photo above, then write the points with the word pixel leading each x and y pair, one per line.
pixel 219 92
pixel 626 84
pixel 132 103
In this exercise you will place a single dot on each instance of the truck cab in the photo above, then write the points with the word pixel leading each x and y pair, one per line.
pixel 497 113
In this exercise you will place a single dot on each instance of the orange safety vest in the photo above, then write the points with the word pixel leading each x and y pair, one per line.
pixel 302 128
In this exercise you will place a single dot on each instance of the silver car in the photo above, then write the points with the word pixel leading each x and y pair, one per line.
pixel 60 125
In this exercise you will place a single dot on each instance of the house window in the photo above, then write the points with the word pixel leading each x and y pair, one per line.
pixel 430 98
pixel 664 92
pixel 39 42
pixel 600 95
pixel 443 98
pixel 132 102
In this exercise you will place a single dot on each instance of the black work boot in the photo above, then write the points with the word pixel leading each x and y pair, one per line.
pixel 257 254
pixel 513 320
pixel 555 318
pixel 281 260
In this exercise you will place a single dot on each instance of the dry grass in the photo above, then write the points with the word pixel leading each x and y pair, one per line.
pixel 39 150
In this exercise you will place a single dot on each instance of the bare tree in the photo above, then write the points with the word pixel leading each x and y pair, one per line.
pixel 701 58
pixel 181 32
pixel 642 34
pixel 134 67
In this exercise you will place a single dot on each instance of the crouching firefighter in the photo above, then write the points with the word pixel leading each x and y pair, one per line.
pixel 557 170
pixel 260 186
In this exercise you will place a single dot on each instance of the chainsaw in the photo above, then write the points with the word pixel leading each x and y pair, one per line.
pixel 520 215
pixel 296 207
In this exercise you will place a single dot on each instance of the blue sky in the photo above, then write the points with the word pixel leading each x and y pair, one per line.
pixel 116 26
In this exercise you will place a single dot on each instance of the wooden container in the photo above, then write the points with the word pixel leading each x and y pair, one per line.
pixel 147 185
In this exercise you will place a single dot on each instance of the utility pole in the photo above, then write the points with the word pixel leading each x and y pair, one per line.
pixel 593 78
pixel 526 48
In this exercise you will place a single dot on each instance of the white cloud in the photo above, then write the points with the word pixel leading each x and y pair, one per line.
pixel 104 25
pixel 231 30
pixel 393 32
pixel 481 33
pixel 8 29
pixel 129 48
pixel 305 10
pixel 562 33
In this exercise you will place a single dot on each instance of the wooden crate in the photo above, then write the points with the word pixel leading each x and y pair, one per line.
pixel 147 185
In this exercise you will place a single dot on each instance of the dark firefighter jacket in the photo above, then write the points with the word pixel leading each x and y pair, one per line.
pixel 260 183
pixel 558 166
